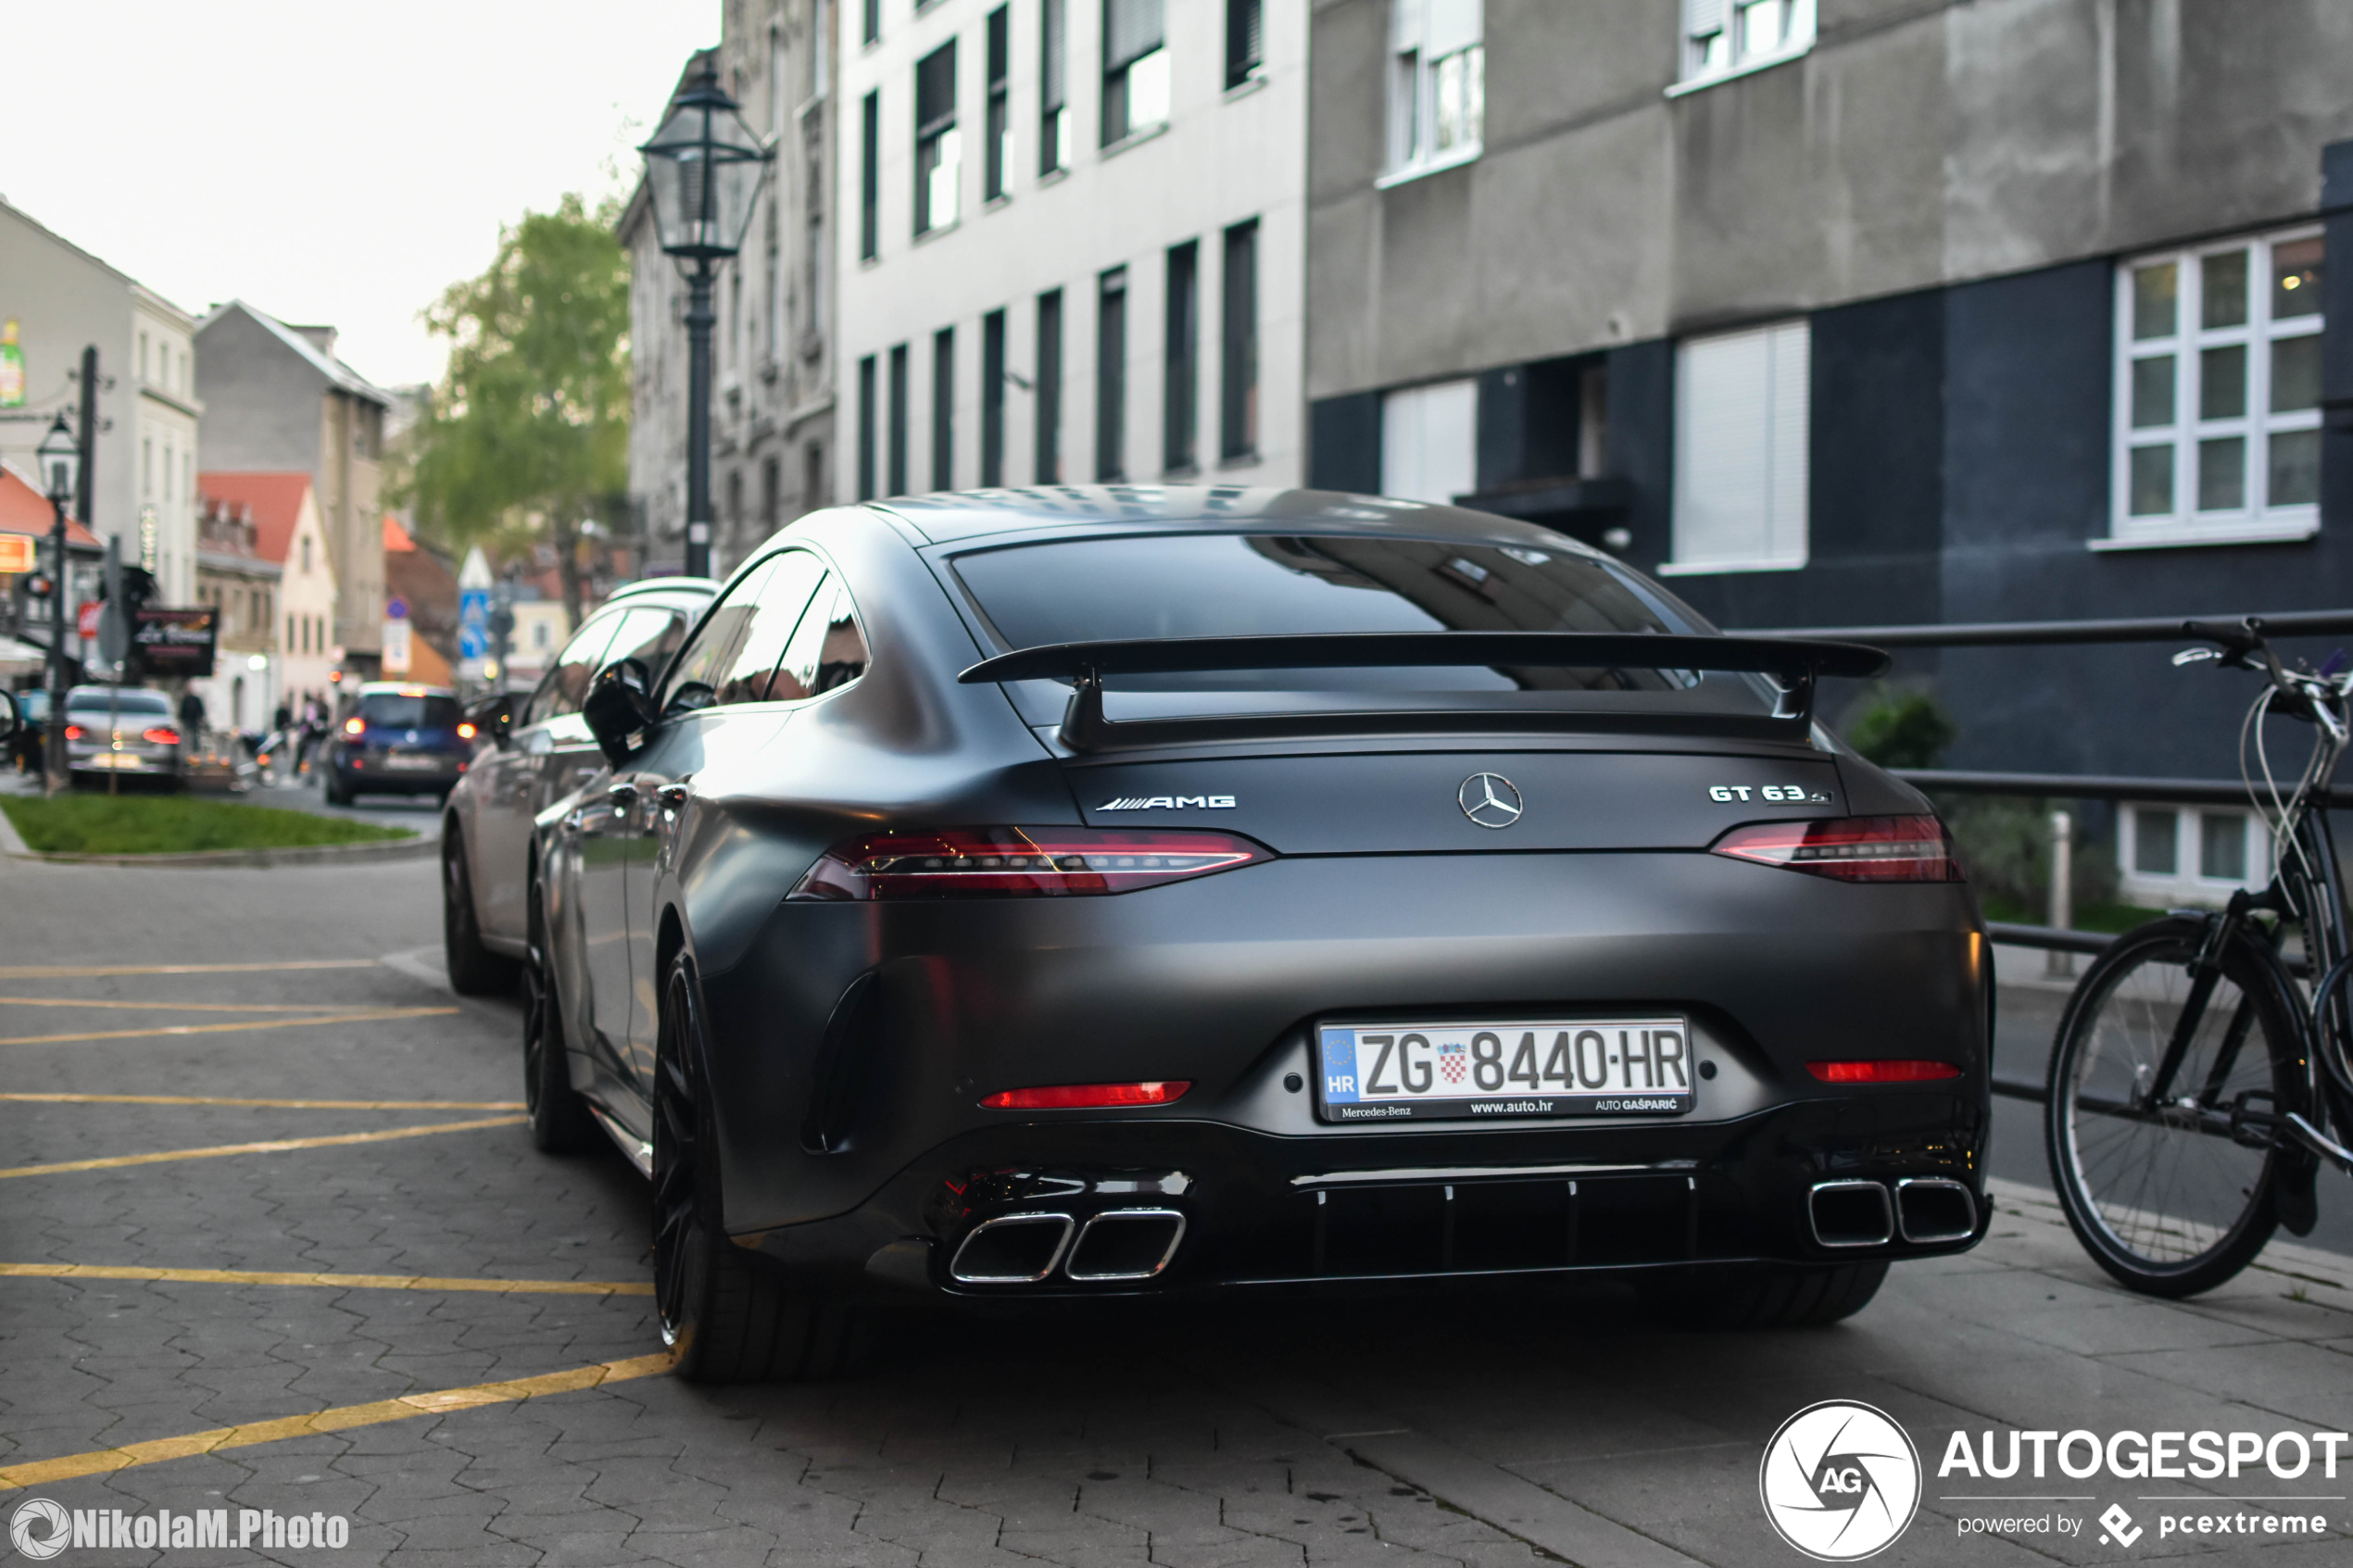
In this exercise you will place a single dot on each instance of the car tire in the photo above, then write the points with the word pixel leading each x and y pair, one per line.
pixel 474 969
pixel 331 790
pixel 728 1314
pixel 559 1120
pixel 1769 1295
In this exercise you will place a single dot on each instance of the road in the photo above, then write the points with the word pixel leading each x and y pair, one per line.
pixel 218 1292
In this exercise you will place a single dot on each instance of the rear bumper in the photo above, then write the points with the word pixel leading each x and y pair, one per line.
pixel 1220 981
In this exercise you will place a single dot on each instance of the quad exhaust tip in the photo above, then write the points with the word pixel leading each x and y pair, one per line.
pixel 1925 1211
pixel 1852 1213
pixel 1116 1245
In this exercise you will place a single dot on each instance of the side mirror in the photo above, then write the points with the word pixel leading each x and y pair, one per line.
pixel 494 717
pixel 619 707
pixel 7 715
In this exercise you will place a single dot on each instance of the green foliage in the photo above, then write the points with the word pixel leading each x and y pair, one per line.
pixel 162 824
pixel 530 425
pixel 2005 850
pixel 1902 729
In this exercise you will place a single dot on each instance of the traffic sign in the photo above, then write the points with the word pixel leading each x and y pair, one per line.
pixel 473 623
pixel 395 609
pixel 85 620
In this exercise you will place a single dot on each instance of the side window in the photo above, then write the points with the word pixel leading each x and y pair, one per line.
pixel 566 682
pixel 649 635
pixel 827 650
pixel 751 672
pixel 695 683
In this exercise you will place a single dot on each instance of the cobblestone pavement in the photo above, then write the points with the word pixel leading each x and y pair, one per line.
pixel 481 1396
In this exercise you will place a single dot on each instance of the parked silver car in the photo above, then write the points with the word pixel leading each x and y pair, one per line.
pixel 534 750
pixel 122 730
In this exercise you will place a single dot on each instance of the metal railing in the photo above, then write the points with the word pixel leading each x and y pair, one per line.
pixel 2078 786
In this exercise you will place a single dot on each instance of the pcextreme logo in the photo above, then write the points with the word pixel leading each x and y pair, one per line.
pixel 1841 1481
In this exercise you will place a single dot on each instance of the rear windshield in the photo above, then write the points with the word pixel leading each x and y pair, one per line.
pixel 123 702
pixel 1226 585
pixel 397 712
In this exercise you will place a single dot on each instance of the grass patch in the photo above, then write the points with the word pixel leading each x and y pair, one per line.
pixel 2113 918
pixel 163 824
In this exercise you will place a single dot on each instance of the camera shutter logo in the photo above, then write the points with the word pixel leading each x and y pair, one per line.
pixel 1839 1481
pixel 39 1528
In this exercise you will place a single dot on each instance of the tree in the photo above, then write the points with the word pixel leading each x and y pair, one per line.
pixel 529 427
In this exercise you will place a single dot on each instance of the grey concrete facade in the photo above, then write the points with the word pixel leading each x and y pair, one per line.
pixel 1950 197
pixel 277 400
pixel 772 351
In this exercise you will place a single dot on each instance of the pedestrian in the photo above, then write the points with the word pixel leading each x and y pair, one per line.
pixel 191 717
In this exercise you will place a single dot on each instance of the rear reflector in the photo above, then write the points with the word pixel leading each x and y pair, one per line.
pixel 1071 1097
pixel 1013 862
pixel 1881 1072
pixel 1852 848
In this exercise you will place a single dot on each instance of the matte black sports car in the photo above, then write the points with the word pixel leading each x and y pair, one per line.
pixel 1083 891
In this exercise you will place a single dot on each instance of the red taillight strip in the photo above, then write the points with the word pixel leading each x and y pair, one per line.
pixel 1851 849
pixel 1907 1071
pixel 1000 862
pixel 1073 1096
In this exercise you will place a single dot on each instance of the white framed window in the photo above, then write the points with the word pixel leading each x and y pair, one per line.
pixel 1429 442
pixel 2218 393
pixel 2175 855
pixel 1135 84
pixel 1741 424
pixel 1437 84
pixel 1726 38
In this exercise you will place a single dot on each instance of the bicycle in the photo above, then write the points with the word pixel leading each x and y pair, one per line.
pixel 2195 1080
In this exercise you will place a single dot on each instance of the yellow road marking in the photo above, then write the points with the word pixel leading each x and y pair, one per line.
pixel 274 1146
pixel 273 1104
pixel 373 1015
pixel 348 1282
pixel 341 1419
pixel 75 971
pixel 158 1007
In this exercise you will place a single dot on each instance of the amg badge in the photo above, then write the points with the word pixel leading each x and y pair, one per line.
pixel 1168 803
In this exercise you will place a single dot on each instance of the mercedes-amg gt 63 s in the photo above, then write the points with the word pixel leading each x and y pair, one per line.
pixel 1084 892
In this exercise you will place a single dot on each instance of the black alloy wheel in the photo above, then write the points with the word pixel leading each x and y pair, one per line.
pixel 474 969
pixel 727 1314
pixel 561 1123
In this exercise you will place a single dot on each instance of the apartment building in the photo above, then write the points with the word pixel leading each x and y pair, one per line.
pixel 1839 312
pixel 1072 243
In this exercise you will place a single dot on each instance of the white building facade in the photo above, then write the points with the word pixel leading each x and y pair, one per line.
pixel 1071 242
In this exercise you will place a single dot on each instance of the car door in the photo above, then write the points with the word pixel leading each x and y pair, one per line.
pixel 546 756
pixel 608 822
pixel 745 690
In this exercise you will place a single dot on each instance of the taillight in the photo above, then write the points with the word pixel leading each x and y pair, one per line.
pixel 354 726
pixel 159 735
pixel 1882 1072
pixel 74 731
pixel 1852 848
pixel 1073 1096
pixel 1012 863
pixel 465 732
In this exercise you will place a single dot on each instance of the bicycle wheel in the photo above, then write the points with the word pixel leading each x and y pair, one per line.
pixel 2168 1185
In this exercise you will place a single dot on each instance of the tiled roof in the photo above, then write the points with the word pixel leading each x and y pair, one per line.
pixel 24 509
pixel 276 500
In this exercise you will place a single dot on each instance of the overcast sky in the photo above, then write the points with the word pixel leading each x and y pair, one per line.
pixel 329 161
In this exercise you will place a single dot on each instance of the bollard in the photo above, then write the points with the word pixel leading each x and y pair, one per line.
pixel 2057 965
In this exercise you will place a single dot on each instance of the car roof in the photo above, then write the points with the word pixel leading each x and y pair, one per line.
pixel 953 516
pixel 694 587
pixel 404 688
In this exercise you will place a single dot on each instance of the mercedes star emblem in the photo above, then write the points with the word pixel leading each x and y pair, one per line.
pixel 1490 801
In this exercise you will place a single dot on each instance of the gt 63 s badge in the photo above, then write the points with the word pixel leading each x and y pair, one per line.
pixel 1839 1481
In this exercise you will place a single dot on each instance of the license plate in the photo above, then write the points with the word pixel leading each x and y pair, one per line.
pixel 413 764
pixel 116 759
pixel 1557 1067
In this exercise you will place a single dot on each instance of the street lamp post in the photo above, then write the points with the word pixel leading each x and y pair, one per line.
pixel 61 458
pixel 703 168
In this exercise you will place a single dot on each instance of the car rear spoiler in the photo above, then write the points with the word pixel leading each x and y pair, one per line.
pixel 1798 663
